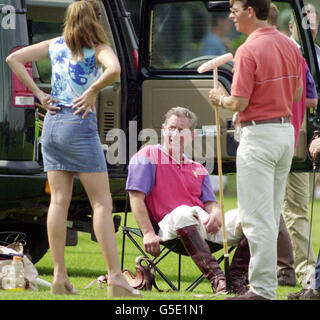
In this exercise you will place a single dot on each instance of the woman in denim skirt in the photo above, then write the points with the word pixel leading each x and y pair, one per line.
pixel 70 141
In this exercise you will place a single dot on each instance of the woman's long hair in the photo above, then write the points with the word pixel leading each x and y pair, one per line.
pixel 82 27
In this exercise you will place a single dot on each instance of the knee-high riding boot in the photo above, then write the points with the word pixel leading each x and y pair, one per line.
pixel 285 263
pixel 239 267
pixel 200 253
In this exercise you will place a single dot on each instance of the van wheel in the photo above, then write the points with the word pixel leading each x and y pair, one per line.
pixel 36 240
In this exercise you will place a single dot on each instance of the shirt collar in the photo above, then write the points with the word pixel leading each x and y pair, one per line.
pixel 261 31
pixel 186 160
pixel 298 45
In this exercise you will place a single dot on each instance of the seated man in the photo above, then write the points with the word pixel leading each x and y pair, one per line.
pixel 174 193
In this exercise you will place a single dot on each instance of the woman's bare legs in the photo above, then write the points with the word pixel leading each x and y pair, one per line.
pixel 61 184
pixel 97 187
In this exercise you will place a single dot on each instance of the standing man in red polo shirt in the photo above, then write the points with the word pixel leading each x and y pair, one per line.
pixel 267 81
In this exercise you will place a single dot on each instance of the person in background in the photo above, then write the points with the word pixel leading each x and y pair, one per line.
pixel 313 291
pixel 295 209
pixel 70 140
pixel 297 189
pixel 313 16
pixel 214 42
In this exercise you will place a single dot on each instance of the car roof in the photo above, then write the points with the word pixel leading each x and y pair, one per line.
pixel 49 3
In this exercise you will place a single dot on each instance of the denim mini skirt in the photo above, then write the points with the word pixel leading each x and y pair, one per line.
pixel 71 143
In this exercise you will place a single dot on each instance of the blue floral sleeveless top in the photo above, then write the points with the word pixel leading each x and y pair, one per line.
pixel 71 78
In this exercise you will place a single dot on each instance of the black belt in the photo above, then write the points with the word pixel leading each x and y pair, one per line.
pixel 273 120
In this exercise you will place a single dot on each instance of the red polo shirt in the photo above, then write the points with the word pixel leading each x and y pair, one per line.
pixel 267 71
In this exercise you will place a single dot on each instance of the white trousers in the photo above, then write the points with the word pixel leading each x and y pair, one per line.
pixel 184 216
pixel 263 162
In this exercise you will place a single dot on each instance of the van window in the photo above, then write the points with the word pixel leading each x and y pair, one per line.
pixel 186 30
pixel 45 21
pixel 133 6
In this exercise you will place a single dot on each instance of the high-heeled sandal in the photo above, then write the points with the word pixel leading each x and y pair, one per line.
pixel 117 291
pixel 60 288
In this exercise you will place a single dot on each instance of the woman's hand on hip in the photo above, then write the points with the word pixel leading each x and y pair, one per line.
pixel 85 102
pixel 46 102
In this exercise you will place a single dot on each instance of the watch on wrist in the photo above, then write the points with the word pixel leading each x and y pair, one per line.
pixel 221 101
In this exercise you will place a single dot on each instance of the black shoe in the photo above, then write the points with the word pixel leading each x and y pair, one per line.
pixel 286 277
pixel 304 294
pixel 249 295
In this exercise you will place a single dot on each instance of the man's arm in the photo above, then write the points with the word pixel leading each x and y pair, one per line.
pixel 232 103
pixel 311 91
pixel 236 104
pixel 213 223
pixel 150 240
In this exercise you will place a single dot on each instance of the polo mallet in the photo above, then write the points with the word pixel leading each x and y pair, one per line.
pixel 213 65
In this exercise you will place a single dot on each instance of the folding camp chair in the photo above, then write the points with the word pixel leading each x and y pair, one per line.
pixel 169 246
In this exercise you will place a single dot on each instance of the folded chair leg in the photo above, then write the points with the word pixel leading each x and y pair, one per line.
pixel 179 272
pixel 124 232
pixel 195 283
pixel 123 248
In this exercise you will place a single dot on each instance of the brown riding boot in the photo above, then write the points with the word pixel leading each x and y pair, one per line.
pixel 285 268
pixel 239 267
pixel 200 253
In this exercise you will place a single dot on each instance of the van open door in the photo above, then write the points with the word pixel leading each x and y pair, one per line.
pixel 178 36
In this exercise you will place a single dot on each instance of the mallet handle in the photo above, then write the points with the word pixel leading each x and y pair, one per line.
pixel 215 78
pixel 219 157
pixel 224 233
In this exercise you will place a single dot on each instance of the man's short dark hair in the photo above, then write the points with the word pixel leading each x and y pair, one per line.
pixel 182 112
pixel 261 7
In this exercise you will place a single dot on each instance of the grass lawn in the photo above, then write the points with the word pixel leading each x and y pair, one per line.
pixel 85 263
